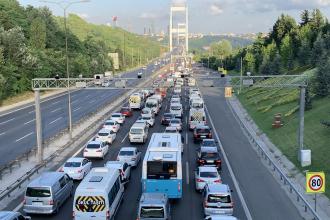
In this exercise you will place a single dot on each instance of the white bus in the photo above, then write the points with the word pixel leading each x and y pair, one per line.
pixel 99 195
pixel 162 165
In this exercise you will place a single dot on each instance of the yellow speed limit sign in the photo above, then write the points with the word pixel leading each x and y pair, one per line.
pixel 315 182
pixel 228 92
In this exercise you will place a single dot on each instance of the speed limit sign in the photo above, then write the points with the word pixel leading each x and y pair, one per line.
pixel 315 182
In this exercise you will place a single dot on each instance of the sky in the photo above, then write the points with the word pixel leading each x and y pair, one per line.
pixel 205 16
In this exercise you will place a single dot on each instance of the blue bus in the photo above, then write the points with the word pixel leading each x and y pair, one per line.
pixel 162 166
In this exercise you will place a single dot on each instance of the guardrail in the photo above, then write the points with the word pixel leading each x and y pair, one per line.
pixel 91 128
pixel 275 167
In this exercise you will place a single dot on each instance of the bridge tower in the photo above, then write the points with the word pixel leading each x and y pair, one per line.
pixel 180 29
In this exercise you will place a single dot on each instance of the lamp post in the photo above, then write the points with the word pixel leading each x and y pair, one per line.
pixel 65 6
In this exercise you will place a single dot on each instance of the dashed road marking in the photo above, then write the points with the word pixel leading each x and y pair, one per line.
pixel 4 122
pixel 19 139
pixel 55 120
pixel 28 122
pixel 187 172
pixel 55 110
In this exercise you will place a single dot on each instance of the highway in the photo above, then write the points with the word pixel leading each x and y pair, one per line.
pixel 258 194
pixel 17 127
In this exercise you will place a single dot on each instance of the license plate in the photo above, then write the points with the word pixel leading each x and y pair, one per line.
pixel 209 161
pixel 37 203
pixel 203 136
pixel 219 212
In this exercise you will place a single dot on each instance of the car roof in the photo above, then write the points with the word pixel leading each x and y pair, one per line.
pixel 169 128
pixel 202 127
pixel 114 164
pixel 46 179
pixel 95 142
pixel 153 198
pixel 218 188
pixel 207 169
pixel 208 139
pixel 128 148
pixel 110 120
pixel 75 159
pixel 104 130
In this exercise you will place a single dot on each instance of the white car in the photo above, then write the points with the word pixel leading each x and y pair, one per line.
pixel 149 119
pixel 143 122
pixel 123 167
pixel 118 117
pixel 177 91
pixel 77 167
pixel 147 112
pixel 206 175
pixel 175 122
pixel 130 155
pixel 170 129
pixel 96 149
pixel 106 135
pixel 111 125
pixel 139 75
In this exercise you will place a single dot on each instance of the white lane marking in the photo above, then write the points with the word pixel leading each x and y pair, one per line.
pixel 55 110
pixel 124 138
pixel 93 100
pixel 4 122
pixel 28 122
pixel 19 139
pixel 18 207
pixel 56 102
pixel 165 108
pixel 30 112
pixel 187 138
pixel 186 120
pixel 55 120
pixel 238 190
pixel 187 172
pixel 76 109
pixel 88 96
pixel 2 133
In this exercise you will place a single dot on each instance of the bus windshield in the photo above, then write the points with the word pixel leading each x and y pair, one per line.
pixel 161 169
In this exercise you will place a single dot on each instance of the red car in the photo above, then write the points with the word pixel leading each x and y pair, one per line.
pixel 127 111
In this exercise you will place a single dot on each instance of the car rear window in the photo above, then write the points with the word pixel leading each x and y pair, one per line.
pixel 126 153
pixel 38 192
pixel 152 212
pixel 103 134
pixel 115 116
pixel 109 123
pixel 214 198
pixel 175 107
pixel 136 131
pixel 72 164
pixel 93 146
pixel 203 130
pixel 209 154
pixel 208 174
pixel 208 143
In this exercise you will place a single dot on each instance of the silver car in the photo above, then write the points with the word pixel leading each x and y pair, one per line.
pixel 130 155
pixel 217 200
pixel 154 206
pixel 206 175
pixel 47 193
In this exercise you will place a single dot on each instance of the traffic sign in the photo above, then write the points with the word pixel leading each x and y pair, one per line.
pixel 228 92
pixel 315 182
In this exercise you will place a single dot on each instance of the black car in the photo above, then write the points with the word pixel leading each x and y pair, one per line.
pixel 167 118
pixel 209 143
pixel 209 156
pixel 202 132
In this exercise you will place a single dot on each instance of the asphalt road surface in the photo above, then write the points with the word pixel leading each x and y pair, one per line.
pixel 262 195
pixel 17 127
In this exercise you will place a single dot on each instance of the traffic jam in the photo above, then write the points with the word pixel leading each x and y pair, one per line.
pixel 175 104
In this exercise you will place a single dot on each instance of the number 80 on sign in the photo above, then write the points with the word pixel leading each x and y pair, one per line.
pixel 315 182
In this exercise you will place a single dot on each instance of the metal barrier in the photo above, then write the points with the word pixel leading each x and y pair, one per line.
pixel 91 128
pixel 275 167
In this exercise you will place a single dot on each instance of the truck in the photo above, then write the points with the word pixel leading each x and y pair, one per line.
pixel 98 79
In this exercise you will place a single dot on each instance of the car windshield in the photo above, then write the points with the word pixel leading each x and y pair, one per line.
pixel 93 146
pixel 124 109
pixel 38 192
pixel 136 130
pixel 146 118
pixel 197 105
pixel 152 212
pixel 116 116
pixel 103 134
pixel 203 130
pixel 170 131
pixel 145 111
pixel 218 198
pixel 208 143
pixel 109 123
pixel 175 121
pixel 126 153
pixel 72 164
pixel 208 174
pixel 151 104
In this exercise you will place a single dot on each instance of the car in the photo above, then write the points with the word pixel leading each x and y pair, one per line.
pixel 97 149
pixel 106 84
pixel 106 135
pixel 77 167
pixel 209 143
pixel 220 217
pixel 118 117
pixel 175 101
pixel 154 206
pixel 170 129
pixel 111 125
pixel 175 122
pixel 142 122
pixel 217 200
pixel 206 175
pixel 147 112
pixel 123 167
pixel 10 215
pixel 177 90
pixel 126 111
pixel 175 97
pixel 166 118
pixel 139 75
pixel 202 132
pixel 149 119
pixel 130 155
pixel 209 156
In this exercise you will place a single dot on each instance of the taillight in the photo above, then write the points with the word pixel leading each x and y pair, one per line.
pixel 218 161
pixel 196 135
pixel 108 215
pixel 51 202
pixel 232 204
pixel 201 161
pixel 99 150
pixel 210 135
pixel 79 171
pixel 217 181
pixel 200 180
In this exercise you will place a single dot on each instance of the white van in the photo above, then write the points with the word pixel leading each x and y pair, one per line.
pixel 153 104
pixel 196 117
pixel 135 101
pixel 138 133
pixel 176 109
pixel 99 195
pixel 196 103
pixel 158 97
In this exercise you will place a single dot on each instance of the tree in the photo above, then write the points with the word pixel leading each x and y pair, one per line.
pixel 282 27
pixel 221 49
pixel 249 61
pixel 38 33
pixel 304 16
pixel 322 85
pixel 286 51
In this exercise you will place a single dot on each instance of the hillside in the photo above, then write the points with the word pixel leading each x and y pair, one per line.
pixel 197 44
